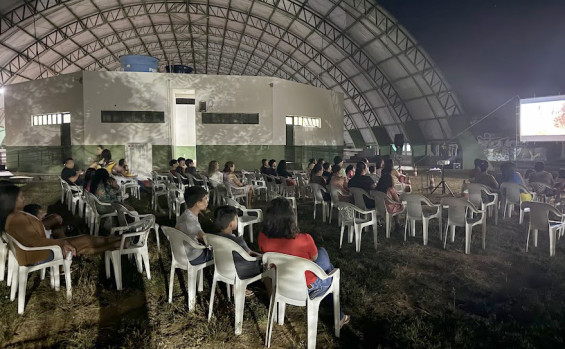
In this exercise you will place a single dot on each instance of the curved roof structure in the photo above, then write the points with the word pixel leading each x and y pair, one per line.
pixel 352 46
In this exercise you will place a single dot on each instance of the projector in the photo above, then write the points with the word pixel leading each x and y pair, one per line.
pixel 443 162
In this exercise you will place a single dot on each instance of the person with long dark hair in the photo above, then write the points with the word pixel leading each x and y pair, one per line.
pixel 316 178
pixel 386 186
pixel 280 234
pixel 105 189
pixel 28 230
pixel 214 173
pixel 338 181
pixel 231 179
pixel 283 172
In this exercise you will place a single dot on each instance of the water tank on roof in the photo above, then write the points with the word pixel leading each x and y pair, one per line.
pixel 139 63
pixel 180 69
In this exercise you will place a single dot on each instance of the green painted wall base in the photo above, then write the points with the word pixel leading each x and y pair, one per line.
pixel 187 152
pixel 247 157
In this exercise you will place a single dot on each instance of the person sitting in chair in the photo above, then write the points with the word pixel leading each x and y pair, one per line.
pixel 69 174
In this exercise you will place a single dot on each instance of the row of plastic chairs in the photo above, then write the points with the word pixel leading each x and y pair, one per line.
pixel 286 273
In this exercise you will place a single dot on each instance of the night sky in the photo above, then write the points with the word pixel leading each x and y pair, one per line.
pixel 490 51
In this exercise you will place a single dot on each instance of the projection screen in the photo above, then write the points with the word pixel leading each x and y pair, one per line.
pixel 542 119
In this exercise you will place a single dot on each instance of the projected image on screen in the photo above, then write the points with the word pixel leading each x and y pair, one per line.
pixel 542 119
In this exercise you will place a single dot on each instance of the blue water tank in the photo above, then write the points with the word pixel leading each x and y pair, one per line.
pixel 180 69
pixel 139 63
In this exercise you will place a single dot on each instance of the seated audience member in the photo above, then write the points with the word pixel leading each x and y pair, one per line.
pixel 321 161
pixel 173 164
pixel 264 165
pixel 509 174
pixel 389 168
pixel 485 178
pixel 69 175
pixel 366 161
pixel 316 177
pixel 122 169
pixel 182 166
pixel 231 179
pixel 385 186
pixel 88 178
pixel 361 180
pixel 272 170
pixel 326 171
pixel 379 162
pixel 30 232
pixel 214 173
pixel 527 175
pixel 191 168
pixel 196 199
pixel 283 172
pixel 540 175
pixel 106 190
pixel 338 181
pixel 477 170
pixel 225 220
pixel 280 234
pixel 349 172
pixel 373 174
pixel 53 223
pixel 560 182
pixel 106 161
pixel 97 162
pixel 311 164
pixel 338 160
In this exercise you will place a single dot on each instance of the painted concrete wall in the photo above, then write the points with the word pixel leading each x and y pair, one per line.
pixel 291 98
pixel 58 94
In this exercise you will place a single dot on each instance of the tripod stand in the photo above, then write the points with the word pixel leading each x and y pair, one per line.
pixel 443 184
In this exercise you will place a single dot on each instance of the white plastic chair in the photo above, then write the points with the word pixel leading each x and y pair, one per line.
pixel 352 216
pixel 132 185
pixel 457 211
pixel 72 196
pixel 226 272
pixel 539 220
pixel 380 200
pixel 95 216
pixel 415 213
pixel 317 190
pixel 157 189
pixel 289 287
pixel 335 192
pixel 510 196
pixel 195 275
pixel 475 191
pixel 20 272
pixel 358 197
pixel 138 249
pixel 246 220
pixel 236 193
pixel 124 213
pixel 175 199
pixel 540 190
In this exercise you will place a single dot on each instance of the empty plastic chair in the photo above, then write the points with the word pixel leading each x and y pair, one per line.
pixel 175 199
pixel 195 275
pixel 414 212
pixel 96 214
pixel 476 198
pixel 539 220
pixel 127 217
pixel 289 287
pixel 317 189
pixel 225 271
pixel 352 217
pixel 457 211
pixel 136 235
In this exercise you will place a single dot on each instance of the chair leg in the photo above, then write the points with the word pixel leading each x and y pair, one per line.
pixel 452 233
pixel 11 265
pixel 387 224
pixel 337 307
pixel 191 283
pixel 239 300
pixel 14 282
pixel 535 238
pixel 341 235
pixel 117 263
pixel 200 280
pixel 3 254
pixel 270 318
pixel 357 238
pixel 375 238
pixel 212 293
pixel 552 242
pixel 425 231
pixel 22 284
pixel 406 226
pixel 107 262
pixel 145 257
pixel 484 231
pixel 251 233
pixel 171 283
pixel 468 230
pixel 156 228
pixel 312 310
pixel 528 239
pixel 68 285
pixel 281 307
pixel 57 277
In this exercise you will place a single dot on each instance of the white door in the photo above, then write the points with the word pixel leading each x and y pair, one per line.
pixel 139 158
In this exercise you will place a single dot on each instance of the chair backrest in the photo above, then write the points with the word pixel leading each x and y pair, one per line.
pixel 414 204
pixel 457 210
pixel 347 212
pixel 180 179
pixel 539 214
pixel 176 240
pixel 223 249
pixel 380 199
pixel 358 194
pixel 232 202
pixel 475 193
pixel 334 193
pixel 317 189
pixel 290 281
pixel 511 192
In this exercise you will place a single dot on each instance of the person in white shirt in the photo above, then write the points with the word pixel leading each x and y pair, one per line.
pixel 196 199
pixel 214 173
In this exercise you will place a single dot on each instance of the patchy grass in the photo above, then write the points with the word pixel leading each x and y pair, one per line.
pixel 402 295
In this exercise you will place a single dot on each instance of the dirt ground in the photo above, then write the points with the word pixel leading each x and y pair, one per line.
pixel 402 295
